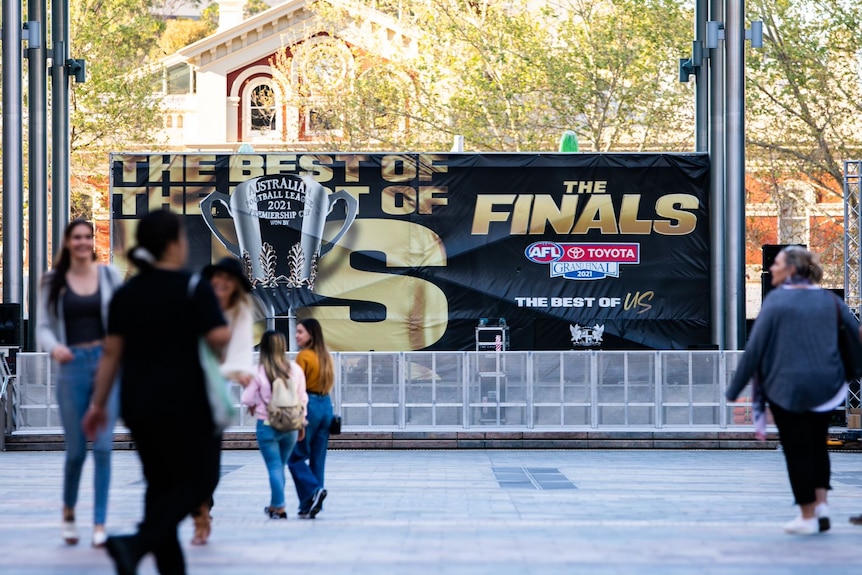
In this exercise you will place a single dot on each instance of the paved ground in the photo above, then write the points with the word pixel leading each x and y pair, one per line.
pixel 467 512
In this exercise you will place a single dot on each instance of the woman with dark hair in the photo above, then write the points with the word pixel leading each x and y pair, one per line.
pixel 275 446
pixel 232 290
pixel 793 354
pixel 154 324
pixel 73 317
pixel 308 459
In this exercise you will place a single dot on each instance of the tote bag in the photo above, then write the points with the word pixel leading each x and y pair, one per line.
pixel 221 406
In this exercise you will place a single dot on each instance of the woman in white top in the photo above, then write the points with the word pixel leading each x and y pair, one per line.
pixel 233 291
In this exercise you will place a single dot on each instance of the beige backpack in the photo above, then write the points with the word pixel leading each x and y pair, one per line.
pixel 284 410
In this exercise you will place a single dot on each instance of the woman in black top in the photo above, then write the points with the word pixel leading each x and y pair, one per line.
pixel 154 324
pixel 73 317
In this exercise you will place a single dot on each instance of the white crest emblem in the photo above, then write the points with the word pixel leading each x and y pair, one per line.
pixel 584 336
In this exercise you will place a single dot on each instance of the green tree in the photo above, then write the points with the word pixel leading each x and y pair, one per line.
pixel 253 7
pixel 509 77
pixel 116 106
pixel 803 94
pixel 614 73
pixel 181 32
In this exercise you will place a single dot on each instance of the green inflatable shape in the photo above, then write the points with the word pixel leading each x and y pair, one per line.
pixel 569 141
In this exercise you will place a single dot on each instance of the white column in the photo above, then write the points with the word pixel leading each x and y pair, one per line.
pixel 231 133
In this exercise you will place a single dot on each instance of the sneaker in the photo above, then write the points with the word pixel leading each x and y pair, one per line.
pixel 99 538
pixel 303 514
pixel 70 532
pixel 802 526
pixel 822 514
pixel 316 503
pixel 275 514
pixel 856 519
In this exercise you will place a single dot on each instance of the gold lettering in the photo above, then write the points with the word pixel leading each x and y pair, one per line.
pixel 427 167
pixel 351 165
pixel 417 311
pixel 521 214
pixel 280 163
pixel 679 222
pixel 484 213
pixel 598 214
pixel 629 222
pixel 639 299
pixel 545 211
pixel 397 168
pixel 169 165
pixel 398 200
pixel 314 166
pixel 200 169
pixel 429 196
pixel 245 166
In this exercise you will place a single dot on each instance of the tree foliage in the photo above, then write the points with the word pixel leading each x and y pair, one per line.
pixel 804 95
pixel 116 104
pixel 507 76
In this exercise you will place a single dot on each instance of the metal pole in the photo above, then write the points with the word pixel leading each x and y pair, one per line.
pixel 701 77
pixel 13 154
pixel 60 182
pixel 716 192
pixel 735 149
pixel 37 162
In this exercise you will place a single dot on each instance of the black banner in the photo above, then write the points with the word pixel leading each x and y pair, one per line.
pixel 410 251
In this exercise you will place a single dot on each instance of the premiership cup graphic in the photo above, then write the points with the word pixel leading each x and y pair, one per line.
pixel 279 221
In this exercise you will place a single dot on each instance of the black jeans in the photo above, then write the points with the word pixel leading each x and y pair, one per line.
pixel 803 439
pixel 180 464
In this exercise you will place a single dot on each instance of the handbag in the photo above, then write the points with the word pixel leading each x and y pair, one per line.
pixel 335 425
pixel 221 406
pixel 849 347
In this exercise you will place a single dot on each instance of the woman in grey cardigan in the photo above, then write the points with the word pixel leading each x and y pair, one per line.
pixel 793 352
pixel 73 315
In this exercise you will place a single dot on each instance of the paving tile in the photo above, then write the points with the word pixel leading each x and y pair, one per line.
pixel 420 512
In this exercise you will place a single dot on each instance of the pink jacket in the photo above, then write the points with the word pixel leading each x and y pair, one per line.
pixel 258 393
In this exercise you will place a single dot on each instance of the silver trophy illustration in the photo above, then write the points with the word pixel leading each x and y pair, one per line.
pixel 279 221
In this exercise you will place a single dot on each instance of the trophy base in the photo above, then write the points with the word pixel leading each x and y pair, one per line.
pixel 282 301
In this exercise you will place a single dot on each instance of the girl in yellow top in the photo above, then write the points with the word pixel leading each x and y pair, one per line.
pixel 307 461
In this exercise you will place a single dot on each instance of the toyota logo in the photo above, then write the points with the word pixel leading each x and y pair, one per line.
pixel 575 253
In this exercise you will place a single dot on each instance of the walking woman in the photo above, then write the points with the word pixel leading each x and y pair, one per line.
pixel 793 354
pixel 233 292
pixel 275 446
pixel 73 317
pixel 154 324
pixel 308 459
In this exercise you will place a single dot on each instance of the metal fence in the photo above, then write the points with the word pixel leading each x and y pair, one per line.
pixel 474 390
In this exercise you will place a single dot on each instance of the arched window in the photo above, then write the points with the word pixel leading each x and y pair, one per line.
pixel 180 121
pixel 261 110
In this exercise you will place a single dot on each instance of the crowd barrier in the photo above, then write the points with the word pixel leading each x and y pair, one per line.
pixel 517 390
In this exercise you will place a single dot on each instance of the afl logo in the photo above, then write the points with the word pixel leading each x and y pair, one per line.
pixel 543 252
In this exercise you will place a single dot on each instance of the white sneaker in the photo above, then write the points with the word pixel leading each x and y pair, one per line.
pixel 99 538
pixel 822 514
pixel 70 532
pixel 802 526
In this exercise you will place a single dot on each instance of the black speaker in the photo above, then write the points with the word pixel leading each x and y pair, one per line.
pixel 770 251
pixel 10 324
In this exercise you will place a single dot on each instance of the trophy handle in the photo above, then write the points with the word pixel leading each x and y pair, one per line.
pixel 207 212
pixel 352 208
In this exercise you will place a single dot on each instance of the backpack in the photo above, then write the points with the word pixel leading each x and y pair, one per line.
pixel 284 410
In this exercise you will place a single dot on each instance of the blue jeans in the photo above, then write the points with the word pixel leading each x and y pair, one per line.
pixel 74 392
pixel 275 447
pixel 308 459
